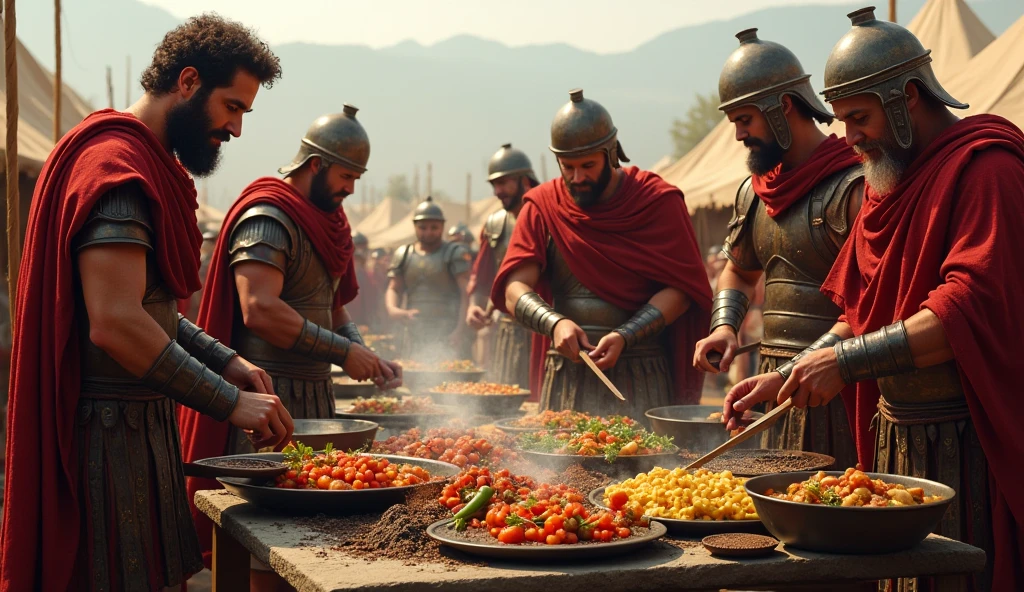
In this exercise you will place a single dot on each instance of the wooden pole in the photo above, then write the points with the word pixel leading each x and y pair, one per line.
pixel 110 87
pixel 892 11
pixel 543 167
pixel 58 87
pixel 469 197
pixel 127 81
pixel 430 178
pixel 11 148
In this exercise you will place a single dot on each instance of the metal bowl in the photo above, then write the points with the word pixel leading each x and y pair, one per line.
pixel 507 424
pixel 343 434
pixel 690 428
pixel 316 501
pixel 623 466
pixel 346 388
pixel 831 529
pixel 402 420
pixel 734 461
pixel 422 380
pixel 690 528
pixel 487 405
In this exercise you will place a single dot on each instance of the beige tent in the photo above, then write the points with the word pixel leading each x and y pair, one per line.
pixel 402 232
pixel 663 163
pixel 993 82
pixel 35 115
pixel 382 217
pixel 953 32
pixel 710 173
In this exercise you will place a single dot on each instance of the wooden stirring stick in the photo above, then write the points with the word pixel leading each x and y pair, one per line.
pixel 601 375
pixel 752 430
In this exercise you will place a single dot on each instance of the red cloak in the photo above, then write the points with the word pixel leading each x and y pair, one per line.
pixel 625 250
pixel 41 524
pixel 779 189
pixel 946 239
pixel 331 237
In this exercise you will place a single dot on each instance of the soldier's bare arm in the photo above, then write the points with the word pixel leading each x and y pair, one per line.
pixel 393 299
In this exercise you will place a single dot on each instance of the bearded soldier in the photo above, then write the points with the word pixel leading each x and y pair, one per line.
pixel 602 260
pixel 930 288
pixel 511 175
pixel 282 273
pixel 432 275
pixel 95 495
pixel 792 217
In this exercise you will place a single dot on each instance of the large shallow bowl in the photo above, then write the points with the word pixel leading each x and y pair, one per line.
pixel 743 463
pixel 402 420
pixel 486 546
pixel 352 501
pixel 346 388
pixel 343 434
pixel 507 424
pixel 691 528
pixel 487 405
pixel 691 430
pixel 853 530
pixel 623 466
pixel 422 380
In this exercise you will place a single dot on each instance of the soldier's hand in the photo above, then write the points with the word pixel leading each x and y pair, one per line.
pixel 608 350
pixel 476 317
pixel 569 339
pixel 391 375
pixel 746 394
pixel 246 375
pixel 815 380
pixel 265 417
pixel 722 340
pixel 361 363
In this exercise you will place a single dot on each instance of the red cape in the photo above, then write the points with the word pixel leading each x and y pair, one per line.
pixel 946 239
pixel 41 524
pixel 779 189
pixel 331 237
pixel 625 250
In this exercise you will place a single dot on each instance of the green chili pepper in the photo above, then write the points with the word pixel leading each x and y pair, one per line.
pixel 475 505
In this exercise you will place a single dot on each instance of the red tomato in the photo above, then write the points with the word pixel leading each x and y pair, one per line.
pixel 571 538
pixel 623 532
pixel 618 500
pixel 552 540
pixel 324 482
pixel 512 535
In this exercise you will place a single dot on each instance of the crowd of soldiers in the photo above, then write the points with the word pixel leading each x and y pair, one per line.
pixel 890 294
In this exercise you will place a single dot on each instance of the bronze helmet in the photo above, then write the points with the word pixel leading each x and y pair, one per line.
pixel 427 210
pixel 880 58
pixel 509 161
pixel 460 232
pixel 583 127
pixel 337 138
pixel 759 73
pixel 358 238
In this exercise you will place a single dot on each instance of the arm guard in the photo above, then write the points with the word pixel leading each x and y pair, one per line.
pixel 317 343
pixel 644 325
pixel 885 352
pixel 197 342
pixel 826 340
pixel 535 314
pixel 729 308
pixel 186 380
pixel 350 331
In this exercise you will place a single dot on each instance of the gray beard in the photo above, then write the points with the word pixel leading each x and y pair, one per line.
pixel 884 173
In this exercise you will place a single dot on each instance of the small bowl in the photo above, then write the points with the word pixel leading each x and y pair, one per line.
pixel 853 530
pixel 343 434
pixel 740 545
pixel 692 431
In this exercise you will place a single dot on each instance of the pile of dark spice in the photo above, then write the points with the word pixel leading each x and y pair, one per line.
pixel 583 480
pixel 741 541
pixel 762 462
pixel 243 463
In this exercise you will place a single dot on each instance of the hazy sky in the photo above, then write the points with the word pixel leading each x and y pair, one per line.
pixel 597 25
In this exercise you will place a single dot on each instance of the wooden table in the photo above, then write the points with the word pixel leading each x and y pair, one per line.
pixel 243 529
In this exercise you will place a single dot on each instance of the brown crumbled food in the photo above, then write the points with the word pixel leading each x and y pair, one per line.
pixel 762 462
pixel 583 480
pixel 741 541
pixel 684 544
pixel 243 463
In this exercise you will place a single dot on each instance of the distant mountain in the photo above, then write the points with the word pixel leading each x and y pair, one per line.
pixel 455 102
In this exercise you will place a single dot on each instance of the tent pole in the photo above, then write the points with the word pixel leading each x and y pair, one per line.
pixel 57 85
pixel 892 11
pixel 13 216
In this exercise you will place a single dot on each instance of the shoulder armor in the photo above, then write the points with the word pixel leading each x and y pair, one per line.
pixel 739 227
pixel 836 210
pixel 457 258
pixel 399 260
pixel 263 233
pixel 494 227
pixel 119 216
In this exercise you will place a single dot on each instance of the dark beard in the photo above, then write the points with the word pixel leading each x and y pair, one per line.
pixel 762 161
pixel 587 193
pixel 189 130
pixel 884 170
pixel 518 199
pixel 320 194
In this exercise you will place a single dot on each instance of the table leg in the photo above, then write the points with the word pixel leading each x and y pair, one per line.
pixel 954 583
pixel 230 562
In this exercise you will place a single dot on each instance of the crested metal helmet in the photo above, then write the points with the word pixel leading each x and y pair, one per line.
pixel 760 73
pixel 337 138
pixel 881 58
pixel 460 232
pixel 509 161
pixel 427 210
pixel 358 238
pixel 582 127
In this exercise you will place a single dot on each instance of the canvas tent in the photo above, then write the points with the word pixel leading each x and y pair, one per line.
pixel 954 34
pixel 402 232
pixel 993 82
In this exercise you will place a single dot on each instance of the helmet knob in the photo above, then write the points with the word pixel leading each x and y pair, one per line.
pixel 506 146
pixel 747 35
pixel 576 95
pixel 864 15
pixel 350 110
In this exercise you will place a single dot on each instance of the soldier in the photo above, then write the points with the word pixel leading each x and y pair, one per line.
pixel 282 273
pixel 460 233
pixel 930 287
pixel 614 252
pixel 432 275
pixel 95 493
pixel 364 307
pixel 792 217
pixel 511 175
